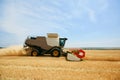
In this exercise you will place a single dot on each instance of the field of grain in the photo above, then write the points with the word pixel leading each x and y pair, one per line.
pixel 97 65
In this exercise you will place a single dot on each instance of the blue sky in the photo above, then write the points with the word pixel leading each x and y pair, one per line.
pixel 86 23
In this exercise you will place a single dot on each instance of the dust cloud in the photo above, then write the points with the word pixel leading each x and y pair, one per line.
pixel 16 50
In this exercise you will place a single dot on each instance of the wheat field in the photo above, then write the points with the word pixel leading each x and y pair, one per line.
pixel 97 65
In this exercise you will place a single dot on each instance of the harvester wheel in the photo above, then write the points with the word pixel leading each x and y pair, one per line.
pixel 55 53
pixel 34 53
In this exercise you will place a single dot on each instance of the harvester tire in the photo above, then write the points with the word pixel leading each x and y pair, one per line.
pixel 34 53
pixel 55 53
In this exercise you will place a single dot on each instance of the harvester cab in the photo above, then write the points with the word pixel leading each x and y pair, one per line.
pixel 62 41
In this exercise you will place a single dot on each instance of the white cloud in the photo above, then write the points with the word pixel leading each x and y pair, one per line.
pixel 15 12
pixel 92 15
pixel 9 23
pixel 26 17
pixel 49 14
pixel 94 8
pixel 104 5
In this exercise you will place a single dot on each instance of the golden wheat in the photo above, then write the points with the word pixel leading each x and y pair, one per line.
pixel 49 68
pixel 97 65
pixel 110 55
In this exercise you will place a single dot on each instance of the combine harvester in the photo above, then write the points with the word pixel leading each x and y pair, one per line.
pixel 40 45
pixel 52 44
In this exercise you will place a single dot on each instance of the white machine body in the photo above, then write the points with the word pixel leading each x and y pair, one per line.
pixel 52 39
